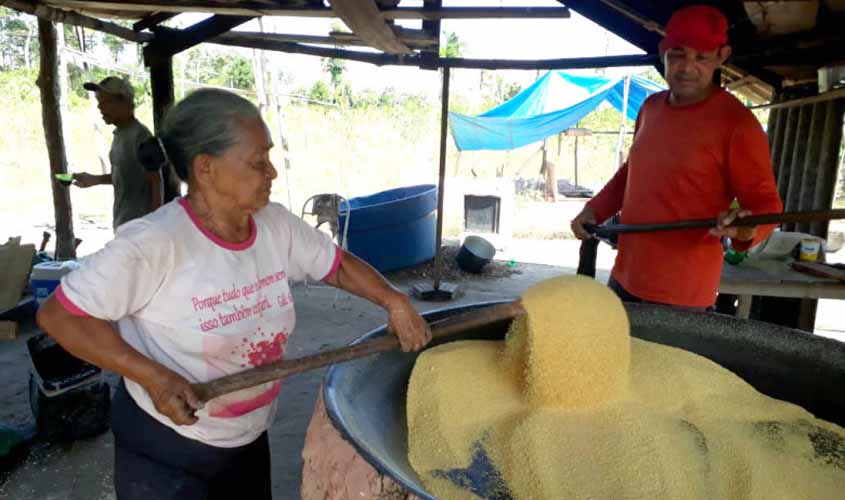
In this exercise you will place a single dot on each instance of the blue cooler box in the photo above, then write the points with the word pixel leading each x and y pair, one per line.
pixel 45 277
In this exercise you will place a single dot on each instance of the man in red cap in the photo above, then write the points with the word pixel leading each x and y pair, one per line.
pixel 696 148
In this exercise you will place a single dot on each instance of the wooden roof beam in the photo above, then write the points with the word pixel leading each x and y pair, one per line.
pixel 433 27
pixel 477 13
pixel 567 63
pixel 169 42
pixel 381 59
pixel 62 16
pixel 264 9
pixel 411 37
pixel 153 20
pixel 334 38
pixel 265 43
pixel 364 18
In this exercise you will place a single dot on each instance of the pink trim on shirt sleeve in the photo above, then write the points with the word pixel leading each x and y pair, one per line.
pixel 68 304
pixel 338 255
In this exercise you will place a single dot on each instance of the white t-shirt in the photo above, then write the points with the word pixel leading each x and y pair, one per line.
pixel 203 307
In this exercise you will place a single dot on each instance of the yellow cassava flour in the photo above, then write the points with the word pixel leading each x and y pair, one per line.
pixel 570 406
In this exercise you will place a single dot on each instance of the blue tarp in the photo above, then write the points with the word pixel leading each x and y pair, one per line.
pixel 552 104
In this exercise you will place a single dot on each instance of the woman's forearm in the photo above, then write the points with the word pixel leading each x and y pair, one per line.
pixel 359 278
pixel 96 342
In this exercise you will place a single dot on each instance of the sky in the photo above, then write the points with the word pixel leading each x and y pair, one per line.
pixel 501 39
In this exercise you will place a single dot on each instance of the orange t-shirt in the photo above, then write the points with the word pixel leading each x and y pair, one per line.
pixel 686 162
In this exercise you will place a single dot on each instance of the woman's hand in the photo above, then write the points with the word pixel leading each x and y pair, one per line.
pixel 173 396
pixel 357 277
pixel 408 326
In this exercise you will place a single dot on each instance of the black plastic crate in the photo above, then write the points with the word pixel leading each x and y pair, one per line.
pixel 77 413
pixel 68 397
pixel 56 370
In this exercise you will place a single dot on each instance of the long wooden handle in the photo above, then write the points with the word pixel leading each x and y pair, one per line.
pixel 280 369
pixel 751 220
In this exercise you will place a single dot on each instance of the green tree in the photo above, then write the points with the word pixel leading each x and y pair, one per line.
pixel 237 73
pixel 505 90
pixel 652 74
pixel 18 39
pixel 335 68
pixel 223 68
pixel 454 46
pixel 320 92
pixel 511 89
pixel 388 97
pixel 115 46
pixel 78 38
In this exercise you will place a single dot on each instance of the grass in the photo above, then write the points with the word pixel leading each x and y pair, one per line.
pixel 352 152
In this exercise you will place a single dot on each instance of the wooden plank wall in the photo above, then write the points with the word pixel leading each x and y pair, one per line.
pixel 805 142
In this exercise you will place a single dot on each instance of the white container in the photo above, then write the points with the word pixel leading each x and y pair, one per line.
pixel 45 277
pixel 831 77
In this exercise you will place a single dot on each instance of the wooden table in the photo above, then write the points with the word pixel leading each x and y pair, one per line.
pixel 774 279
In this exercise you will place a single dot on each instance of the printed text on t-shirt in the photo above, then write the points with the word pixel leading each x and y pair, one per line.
pixel 248 303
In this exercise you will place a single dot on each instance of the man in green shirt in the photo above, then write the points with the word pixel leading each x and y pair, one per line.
pixel 137 191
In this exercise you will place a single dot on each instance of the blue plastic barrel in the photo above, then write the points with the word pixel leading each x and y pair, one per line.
pixel 393 229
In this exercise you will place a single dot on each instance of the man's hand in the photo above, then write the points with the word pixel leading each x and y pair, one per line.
pixel 740 233
pixel 408 326
pixel 173 396
pixel 587 216
pixel 84 180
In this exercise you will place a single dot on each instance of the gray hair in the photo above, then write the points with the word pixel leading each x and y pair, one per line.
pixel 205 122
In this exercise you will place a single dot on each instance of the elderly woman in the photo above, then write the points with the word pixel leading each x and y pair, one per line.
pixel 197 290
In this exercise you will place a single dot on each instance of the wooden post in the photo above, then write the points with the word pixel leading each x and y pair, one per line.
pixel 545 154
pixel 559 148
pixel 258 72
pixel 786 146
pixel 543 172
pixel 828 155
pixel 620 143
pixel 548 170
pixel 576 160
pixel 444 125
pixel 161 82
pixel 48 83
pixel 278 101
pixel 62 74
pixel 796 162
pixel 840 189
pixel 457 169
pixel 811 167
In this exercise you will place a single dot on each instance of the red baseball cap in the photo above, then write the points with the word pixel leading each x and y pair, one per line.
pixel 700 27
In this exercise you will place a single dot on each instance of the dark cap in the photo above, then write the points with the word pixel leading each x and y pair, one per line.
pixel 113 85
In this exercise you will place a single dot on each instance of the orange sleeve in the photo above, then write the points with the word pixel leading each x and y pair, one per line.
pixel 609 200
pixel 751 177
